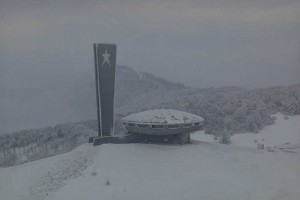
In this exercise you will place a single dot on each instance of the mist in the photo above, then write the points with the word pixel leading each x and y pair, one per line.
pixel 46 48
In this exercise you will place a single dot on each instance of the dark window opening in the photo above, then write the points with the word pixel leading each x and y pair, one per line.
pixel 130 125
pixel 158 126
pixel 173 126
pixel 187 125
pixel 143 125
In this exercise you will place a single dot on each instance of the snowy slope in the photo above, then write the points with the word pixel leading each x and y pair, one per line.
pixel 35 180
pixel 283 134
pixel 147 171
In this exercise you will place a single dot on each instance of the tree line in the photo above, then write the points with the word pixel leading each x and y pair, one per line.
pixel 233 112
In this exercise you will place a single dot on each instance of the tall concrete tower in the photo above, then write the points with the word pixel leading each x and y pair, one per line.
pixel 105 68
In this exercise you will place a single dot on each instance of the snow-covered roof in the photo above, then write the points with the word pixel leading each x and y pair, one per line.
pixel 162 116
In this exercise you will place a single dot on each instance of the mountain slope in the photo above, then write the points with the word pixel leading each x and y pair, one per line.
pixel 146 171
pixel 230 109
pixel 137 91
pixel 284 135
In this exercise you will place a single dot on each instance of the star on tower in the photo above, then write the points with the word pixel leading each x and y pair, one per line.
pixel 105 58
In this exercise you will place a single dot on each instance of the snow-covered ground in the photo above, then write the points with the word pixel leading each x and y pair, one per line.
pixel 284 134
pixel 35 180
pixel 202 170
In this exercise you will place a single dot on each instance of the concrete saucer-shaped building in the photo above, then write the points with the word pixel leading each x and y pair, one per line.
pixel 167 123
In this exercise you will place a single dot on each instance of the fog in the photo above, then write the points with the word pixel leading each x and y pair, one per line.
pixel 46 46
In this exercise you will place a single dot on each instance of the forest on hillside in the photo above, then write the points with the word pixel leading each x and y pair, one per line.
pixel 241 111
pixel 234 111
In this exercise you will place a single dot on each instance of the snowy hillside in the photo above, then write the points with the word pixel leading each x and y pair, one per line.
pixel 284 135
pixel 136 91
pixel 245 111
pixel 202 170
pixel 283 132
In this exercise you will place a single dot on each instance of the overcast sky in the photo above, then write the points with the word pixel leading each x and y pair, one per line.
pixel 46 48
pixel 247 43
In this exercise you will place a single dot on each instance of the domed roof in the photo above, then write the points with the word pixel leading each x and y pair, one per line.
pixel 162 116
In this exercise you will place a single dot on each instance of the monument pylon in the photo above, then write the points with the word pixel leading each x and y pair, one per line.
pixel 105 69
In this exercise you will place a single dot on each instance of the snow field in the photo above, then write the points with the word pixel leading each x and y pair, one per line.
pixel 37 179
pixel 283 134
pixel 199 171
pixel 202 170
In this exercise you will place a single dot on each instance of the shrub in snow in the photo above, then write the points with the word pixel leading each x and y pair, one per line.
pixel 225 137
pixel 107 182
pixel 216 139
pixel 260 146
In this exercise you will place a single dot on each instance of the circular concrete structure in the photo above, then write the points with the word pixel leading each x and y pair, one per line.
pixel 162 122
